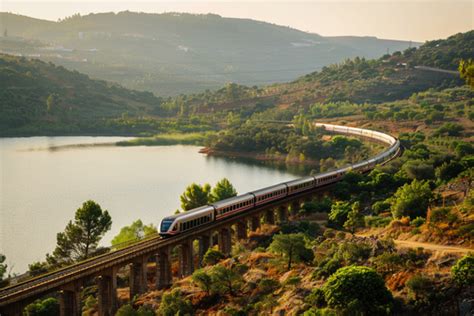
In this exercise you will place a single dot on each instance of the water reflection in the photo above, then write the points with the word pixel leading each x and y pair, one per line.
pixel 40 189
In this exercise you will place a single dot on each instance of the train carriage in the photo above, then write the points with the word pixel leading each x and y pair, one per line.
pixel 172 225
pixel 269 194
pixel 234 205
pixel 300 185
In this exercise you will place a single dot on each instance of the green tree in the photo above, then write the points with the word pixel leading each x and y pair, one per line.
pixel 358 290
pixel 203 279
pixel 3 266
pixel 195 196
pixel 227 280
pixel 355 218
pixel 339 212
pixel 291 246
pixel 46 307
pixel 174 303
pixel 463 271
pixel 223 190
pixel 134 232
pixel 81 237
pixel 412 199
pixel 466 71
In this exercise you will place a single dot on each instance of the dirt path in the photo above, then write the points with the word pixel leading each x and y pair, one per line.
pixel 432 247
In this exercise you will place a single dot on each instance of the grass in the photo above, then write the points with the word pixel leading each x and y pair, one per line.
pixel 168 139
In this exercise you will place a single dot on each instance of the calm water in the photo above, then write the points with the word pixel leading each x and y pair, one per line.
pixel 43 185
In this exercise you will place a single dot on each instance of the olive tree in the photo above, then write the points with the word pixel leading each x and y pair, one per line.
pixel 358 290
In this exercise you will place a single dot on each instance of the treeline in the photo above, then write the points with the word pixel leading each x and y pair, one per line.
pixel 300 141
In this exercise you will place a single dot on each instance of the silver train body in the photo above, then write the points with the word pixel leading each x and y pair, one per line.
pixel 207 214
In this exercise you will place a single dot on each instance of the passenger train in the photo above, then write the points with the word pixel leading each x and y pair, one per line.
pixel 176 224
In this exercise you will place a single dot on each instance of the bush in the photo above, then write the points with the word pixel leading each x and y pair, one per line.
pixel 380 207
pixel 267 285
pixel 47 307
pixel 316 298
pixel 463 271
pixel 358 290
pixel 420 286
pixel 327 268
pixel 377 221
pixel 173 303
pixel 417 222
pixel 212 256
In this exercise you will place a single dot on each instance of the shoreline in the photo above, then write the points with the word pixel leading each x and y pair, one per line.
pixel 263 157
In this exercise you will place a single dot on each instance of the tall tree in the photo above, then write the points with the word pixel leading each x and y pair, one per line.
pixel 291 246
pixel 223 190
pixel 81 237
pixel 194 196
pixel 134 232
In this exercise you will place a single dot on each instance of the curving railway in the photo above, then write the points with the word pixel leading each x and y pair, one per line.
pixel 182 230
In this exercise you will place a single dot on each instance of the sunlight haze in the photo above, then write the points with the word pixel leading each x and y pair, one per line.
pixel 404 20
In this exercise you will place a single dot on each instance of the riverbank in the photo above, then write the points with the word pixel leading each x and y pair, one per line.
pixel 197 139
pixel 263 157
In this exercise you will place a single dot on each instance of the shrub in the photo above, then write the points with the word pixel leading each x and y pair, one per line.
pixel 417 222
pixel 377 221
pixel 294 280
pixel 359 290
pixel 420 286
pixel 267 285
pixel 380 207
pixel 46 307
pixel 327 268
pixel 173 303
pixel 202 279
pixel 212 256
pixel 463 271
pixel 126 310
pixel 316 298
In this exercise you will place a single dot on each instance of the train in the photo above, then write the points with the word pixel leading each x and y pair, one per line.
pixel 179 223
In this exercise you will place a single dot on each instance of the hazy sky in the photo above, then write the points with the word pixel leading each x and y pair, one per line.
pixel 416 20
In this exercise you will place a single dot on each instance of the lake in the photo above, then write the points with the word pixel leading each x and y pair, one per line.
pixel 45 179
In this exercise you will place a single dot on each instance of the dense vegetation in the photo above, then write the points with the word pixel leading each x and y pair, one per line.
pixel 43 99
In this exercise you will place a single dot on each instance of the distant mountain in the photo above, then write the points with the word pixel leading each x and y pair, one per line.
pixel 180 53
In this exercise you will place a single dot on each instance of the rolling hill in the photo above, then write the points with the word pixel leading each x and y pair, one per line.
pixel 176 53
pixel 39 98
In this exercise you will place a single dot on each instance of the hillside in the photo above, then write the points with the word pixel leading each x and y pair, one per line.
pixel 181 53
pixel 85 106
pixel 40 98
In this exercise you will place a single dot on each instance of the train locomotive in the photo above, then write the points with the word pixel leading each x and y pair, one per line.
pixel 179 223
